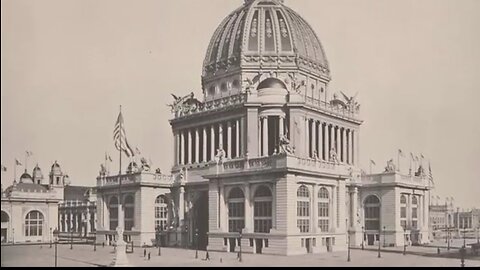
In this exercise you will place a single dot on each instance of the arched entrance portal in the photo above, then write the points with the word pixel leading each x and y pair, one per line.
pixel 200 221
pixel 372 220
pixel 5 226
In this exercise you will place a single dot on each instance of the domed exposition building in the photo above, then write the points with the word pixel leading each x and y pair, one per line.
pixel 269 157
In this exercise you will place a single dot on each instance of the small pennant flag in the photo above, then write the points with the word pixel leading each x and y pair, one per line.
pixel 108 157
pixel 137 151
pixel 400 152
pixel 18 162
pixel 373 162
pixel 4 169
pixel 29 153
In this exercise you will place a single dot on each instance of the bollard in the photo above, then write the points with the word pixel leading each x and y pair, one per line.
pixel 438 250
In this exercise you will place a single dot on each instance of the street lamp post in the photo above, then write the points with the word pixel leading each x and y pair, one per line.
pixel 13 236
pixel 384 238
pixel 363 237
pixel 196 243
pixel 379 242
pixel 404 241
pixel 240 244
pixel 348 258
pixel 159 241
pixel 50 236
pixel 71 237
pixel 448 234
pixel 55 235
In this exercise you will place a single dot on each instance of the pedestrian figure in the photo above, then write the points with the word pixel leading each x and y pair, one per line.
pixel 144 252
pixel 149 256
pixel 207 257
pixel 221 260
pixel 103 244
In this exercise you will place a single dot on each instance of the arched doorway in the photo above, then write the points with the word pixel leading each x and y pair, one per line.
pixel 200 221
pixel 372 219
pixel 5 226
pixel 262 214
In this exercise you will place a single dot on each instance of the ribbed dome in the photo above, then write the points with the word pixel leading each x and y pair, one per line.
pixel 263 34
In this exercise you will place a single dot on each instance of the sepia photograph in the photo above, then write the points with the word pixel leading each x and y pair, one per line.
pixel 240 133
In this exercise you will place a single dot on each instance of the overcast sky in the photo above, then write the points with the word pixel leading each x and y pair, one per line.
pixel 67 65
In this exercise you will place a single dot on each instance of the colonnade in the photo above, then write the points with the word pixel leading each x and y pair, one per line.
pixel 201 144
pixel 322 138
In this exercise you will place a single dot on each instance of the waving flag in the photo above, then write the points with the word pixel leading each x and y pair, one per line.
pixel 120 138
pixel 18 162
pixel 372 162
pixel 29 153
pixel 400 153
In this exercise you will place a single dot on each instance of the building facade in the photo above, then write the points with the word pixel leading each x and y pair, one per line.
pixel 30 207
pixel 268 159
pixel 77 213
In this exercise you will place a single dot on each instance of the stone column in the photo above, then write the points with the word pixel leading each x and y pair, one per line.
pixel 88 218
pixel 357 147
pixel 197 146
pixel 325 139
pixel 212 142
pixel 344 145
pixel 307 137
pixel 314 138
pixel 70 228
pixel 281 125
pixel 223 211
pixel 354 204
pixel 314 215
pixel 220 136
pixel 333 207
pixel 229 139
pixel 204 144
pixel 237 138
pixel 181 207
pixel 332 139
pixel 337 140
pixel 176 149
pixel 320 140
pixel 248 209
pixel 189 147
pixel 265 136
pixel 182 146
pixel 352 158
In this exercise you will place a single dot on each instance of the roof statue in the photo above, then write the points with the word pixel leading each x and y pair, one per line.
pixel 334 156
pixel 252 82
pixel 285 145
pixel 185 104
pixel 351 102
pixel 295 83
pixel 221 155
pixel 390 166
pixel 103 170
pixel 145 164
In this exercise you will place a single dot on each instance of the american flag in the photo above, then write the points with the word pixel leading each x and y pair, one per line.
pixel 120 138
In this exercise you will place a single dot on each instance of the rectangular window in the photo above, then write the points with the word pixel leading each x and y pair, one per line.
pixel 225 241
pixel 266 243
pixel 251 242
pixel 303 225
pixel 403 212
pixel 414 213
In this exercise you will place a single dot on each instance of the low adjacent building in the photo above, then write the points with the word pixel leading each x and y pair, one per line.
pixel 30 206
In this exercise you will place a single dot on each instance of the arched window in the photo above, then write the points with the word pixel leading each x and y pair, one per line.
pixel 236 210
pixel 403 211
pixel 34 224
pixel 372 213
pixel 263 210
pixel 161 212
pixel 323 210
pixel 303 209
pixel 414 212
pixel 129 212
pixel 5 217
pixel 113 212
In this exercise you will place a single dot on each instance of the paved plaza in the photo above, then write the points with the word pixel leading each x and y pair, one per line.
pixel 84 255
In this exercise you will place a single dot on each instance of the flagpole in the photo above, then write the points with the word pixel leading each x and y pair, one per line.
pixel 15 171
pixel 120 201
pixel 398 160
pixel 26 161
